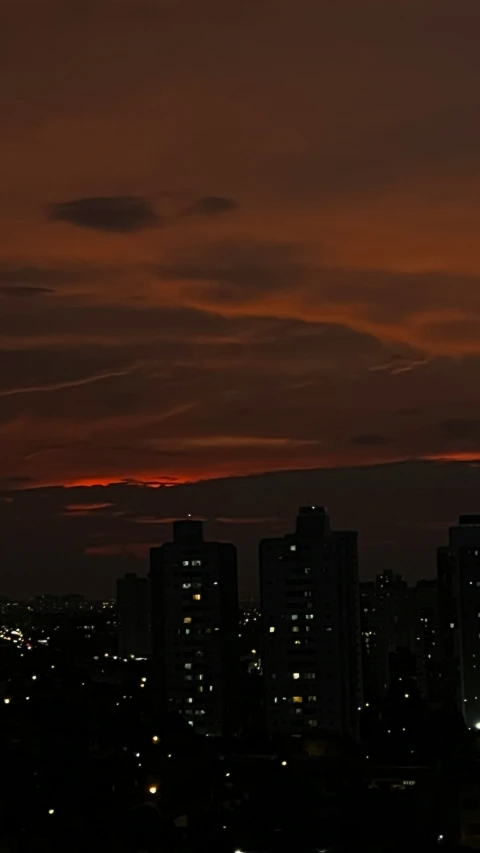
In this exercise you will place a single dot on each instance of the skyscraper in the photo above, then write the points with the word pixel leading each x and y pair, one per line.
pixel 394 625
pixel 195 628
pixel 426 639
pixel 310 608
pixel 372 669
pixel 133 616
pixel 459 594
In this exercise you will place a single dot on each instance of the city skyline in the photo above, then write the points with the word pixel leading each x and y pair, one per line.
pixel 83 539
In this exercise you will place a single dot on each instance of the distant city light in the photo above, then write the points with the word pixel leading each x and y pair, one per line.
pixel 284 763
pixel 407 695
pixel 152 789
pixel 7 702
pixel 155 738
pixel 51 811
pixel 34 677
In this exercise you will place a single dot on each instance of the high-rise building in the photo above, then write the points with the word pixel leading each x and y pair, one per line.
pixel 448 652
pixel 195 628
pixel 133 616
pixel 393 626
pixel 373 675
pixel 310 610
pixel 426 640
pixel 459 595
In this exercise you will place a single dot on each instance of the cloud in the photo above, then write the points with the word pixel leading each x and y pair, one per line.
pixel 461 428
pixel 24 291
pixel 114 214
pixel 69 383
pixel 369 440
pixel 211 205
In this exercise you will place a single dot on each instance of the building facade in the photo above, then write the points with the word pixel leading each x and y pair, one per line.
pixel 311 619
pixel 133 616
pixel 195 628
pixel 459 595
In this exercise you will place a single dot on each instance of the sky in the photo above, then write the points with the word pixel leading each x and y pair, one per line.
pixel 239 272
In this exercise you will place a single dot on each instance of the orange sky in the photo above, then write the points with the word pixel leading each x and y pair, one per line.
pixel 237 236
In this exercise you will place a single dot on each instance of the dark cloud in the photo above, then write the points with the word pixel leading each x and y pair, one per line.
pixel 211 205
pixel 15 482
pixel 369 440
pixel 408 411
pixel 24 291
pixel 461 428
pixel 115 214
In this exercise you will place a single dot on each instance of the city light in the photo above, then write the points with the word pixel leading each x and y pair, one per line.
pixel 284 763
pixel 51 811
pixel 7 701
pixel 155 738
pixel 152 789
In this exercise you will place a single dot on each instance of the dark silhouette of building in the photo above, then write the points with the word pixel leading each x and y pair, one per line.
pixel 310 608
pixel 373 675
pixel 399 620
pixel 387 623
pixel 195 628
pixel 459 595
pixel 448 629
pixel 133 616
pixel 426 644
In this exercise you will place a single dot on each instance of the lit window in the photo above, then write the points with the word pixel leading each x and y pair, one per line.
pixel 295 629
pixel 296 675
pixel 308 570
pixel 272 629
pixel 294 616
pixel 298 642
pixel 312 698
pixel 452 624
pixel 188 666
pixel 200 689
pixel 310 675
pixel 189 700
pixel 186 585
pixel 187 620
pixel 297 699
pixel 187 630
pixel 293 547
pixel 196 597
pixel 313 723
pixel 309 616
pixel 196 562
pixel 186 563
pixel 308 593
